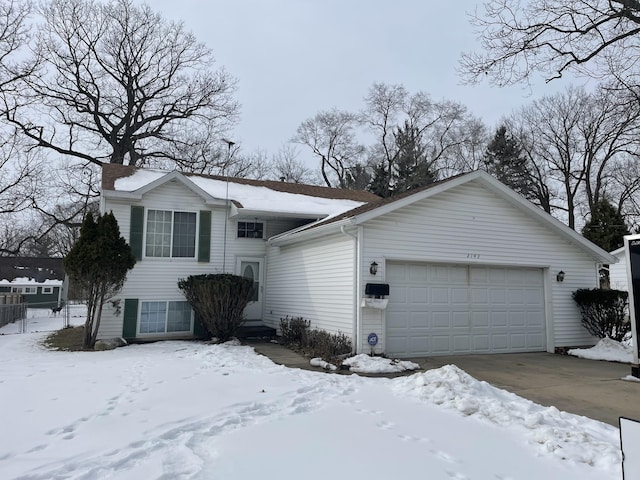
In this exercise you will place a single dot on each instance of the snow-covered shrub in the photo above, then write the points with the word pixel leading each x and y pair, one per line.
pixel 604 312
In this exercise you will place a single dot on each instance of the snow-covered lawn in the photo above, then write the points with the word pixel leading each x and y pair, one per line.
pixel 180 410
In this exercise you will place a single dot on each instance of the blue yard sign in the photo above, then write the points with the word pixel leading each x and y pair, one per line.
pixel 372 339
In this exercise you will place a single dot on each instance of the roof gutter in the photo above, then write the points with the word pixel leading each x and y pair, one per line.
pixel 357 264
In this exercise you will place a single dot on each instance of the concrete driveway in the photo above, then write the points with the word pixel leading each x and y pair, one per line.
pixel 585 387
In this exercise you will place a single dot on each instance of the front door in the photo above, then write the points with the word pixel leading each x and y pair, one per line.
pixel 251 267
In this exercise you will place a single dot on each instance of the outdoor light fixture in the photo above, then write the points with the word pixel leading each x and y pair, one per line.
pixel 373 268
pixel 560 276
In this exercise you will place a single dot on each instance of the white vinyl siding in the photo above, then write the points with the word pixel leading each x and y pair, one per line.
pixel 618 279
pixel 314 281
pixel 471 225
pixel 156 279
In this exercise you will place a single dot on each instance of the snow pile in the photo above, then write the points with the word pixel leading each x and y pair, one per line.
pixel 366 364
pixel 606 349
pixel 564 435
pixel 318 362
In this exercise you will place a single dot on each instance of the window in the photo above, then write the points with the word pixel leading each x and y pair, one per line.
pixel 170 234
pixel 47 290
pixel 250 229
pixel 165 317
pixel 25 290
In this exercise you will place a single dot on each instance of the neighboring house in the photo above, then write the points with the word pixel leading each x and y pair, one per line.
pixel 618 271
pixel 42 281
pixel 462 266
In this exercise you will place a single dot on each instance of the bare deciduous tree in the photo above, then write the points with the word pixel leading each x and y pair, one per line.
pixel 287 167
pixel 331 136
pixel 445 128
pixel 120 84
pixel 573 140
pixel 519 38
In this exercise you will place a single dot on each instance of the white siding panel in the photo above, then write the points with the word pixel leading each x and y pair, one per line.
pixel 314 281
pixel 618 273
pixel 157 278
pixel 470 225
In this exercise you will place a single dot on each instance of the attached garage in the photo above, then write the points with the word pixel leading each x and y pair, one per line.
pixel 470 266
pixel 440 309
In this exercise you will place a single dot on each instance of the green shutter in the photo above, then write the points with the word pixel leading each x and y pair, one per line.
pixel 136 230
pixel 130 321
pixel 198 329
pixel 204 237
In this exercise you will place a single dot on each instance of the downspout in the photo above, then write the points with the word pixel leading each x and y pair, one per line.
pixel 357 311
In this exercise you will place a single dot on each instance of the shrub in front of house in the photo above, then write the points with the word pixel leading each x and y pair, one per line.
pixel 604 312
pixel 218 301
pixel 297 333
pixel 294 331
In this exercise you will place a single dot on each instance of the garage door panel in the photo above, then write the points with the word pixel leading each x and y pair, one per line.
pixel 448 309
pixel 440 344
pixel 479 319
pixel 517 318
pixel 498 319
pixel 418 295
pixel 460 319
pixel 441 319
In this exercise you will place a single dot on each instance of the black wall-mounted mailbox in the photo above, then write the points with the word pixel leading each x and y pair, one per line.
pixel 377 289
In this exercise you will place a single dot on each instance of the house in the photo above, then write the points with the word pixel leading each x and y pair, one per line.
pixel 42 281
pixel 618 271
pixel 462 266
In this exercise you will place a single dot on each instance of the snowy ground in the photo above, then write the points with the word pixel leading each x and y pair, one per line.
pixel 181 410
pixel 606 349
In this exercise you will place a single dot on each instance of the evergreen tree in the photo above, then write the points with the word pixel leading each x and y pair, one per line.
pixel 380 180
pixel 412 166
pixel 607 227
pixel 97 265
pixel 504 160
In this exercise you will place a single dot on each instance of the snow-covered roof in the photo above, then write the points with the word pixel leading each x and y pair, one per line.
pixel 31 271
pixel 29 281
pixel 247 196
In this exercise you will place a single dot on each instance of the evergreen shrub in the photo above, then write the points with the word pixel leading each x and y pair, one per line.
pixel 218 301
pixel 604 312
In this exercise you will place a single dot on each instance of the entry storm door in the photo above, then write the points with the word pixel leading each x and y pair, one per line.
pixel 251 267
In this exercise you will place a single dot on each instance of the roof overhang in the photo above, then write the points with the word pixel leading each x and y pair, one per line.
pixel 174 176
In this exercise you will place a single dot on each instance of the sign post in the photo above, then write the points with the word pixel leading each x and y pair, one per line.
pixel 632 250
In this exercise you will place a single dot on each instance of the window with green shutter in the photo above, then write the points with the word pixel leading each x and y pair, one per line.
pixel 204 238
pixel 130 318
pixel 136 231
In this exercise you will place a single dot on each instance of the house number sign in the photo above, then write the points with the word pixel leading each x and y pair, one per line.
pixel 372 339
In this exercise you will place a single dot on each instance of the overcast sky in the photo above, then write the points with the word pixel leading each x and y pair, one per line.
pixel 294 58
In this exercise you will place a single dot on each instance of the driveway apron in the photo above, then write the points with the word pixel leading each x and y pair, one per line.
pixel 591 388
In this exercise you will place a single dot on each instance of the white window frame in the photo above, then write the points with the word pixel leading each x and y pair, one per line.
pixel 164 333
pixel 25 290
pixel 264 229
pixel 173 212
pixel 47 290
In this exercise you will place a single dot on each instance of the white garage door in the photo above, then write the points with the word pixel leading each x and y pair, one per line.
pixel 453 309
